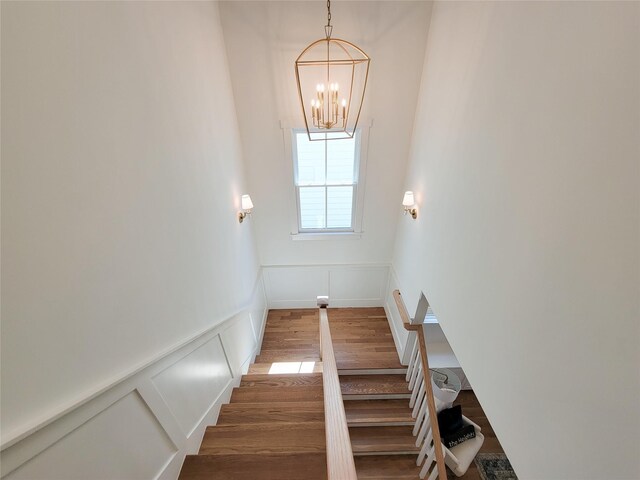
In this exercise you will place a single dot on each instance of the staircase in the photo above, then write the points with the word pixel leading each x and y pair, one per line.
pixel 273 426
pixel 375 393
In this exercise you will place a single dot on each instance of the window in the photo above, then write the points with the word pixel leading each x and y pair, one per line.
pixel 326 181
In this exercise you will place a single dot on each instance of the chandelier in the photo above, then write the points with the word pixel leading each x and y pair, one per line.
pixel 332 77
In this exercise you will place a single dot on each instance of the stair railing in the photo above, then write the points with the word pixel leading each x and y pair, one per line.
pixel 340 463
pixel 422 401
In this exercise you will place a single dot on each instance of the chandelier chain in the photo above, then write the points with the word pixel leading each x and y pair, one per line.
pixel 328 13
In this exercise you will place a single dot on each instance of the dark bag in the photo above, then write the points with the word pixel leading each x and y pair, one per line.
pixel 452 430
pixel 450 420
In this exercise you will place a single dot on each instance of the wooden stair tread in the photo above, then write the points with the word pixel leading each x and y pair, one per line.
pixel 265 439
pixel 272 412
pixel 264 368
pixel 377 412
pixel 382 467
pixel 368 361
pixel 281 380
pixel 277 394
pixel 345 312
pixel 290 350
pixel 296 466
pixel 374 384
pixel 287 356
pixel 367 440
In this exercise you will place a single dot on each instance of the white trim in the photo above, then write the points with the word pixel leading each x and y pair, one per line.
pixel 343 303
pixel 362 152
pixel 32 439
pixel 327 265
pixel 326 236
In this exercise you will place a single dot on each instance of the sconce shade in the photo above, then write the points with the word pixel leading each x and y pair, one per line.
pixel 247 204
pixel 408 200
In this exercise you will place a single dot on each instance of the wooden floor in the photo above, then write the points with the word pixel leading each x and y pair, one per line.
pixel 291 336
pixel 273 427
pixel 362 339
pixel 375 394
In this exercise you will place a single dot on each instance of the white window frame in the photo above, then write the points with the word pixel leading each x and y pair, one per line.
pixel 356 167
pixel 355 232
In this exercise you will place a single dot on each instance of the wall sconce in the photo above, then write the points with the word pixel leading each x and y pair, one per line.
pixel 247 205
pixel 409 204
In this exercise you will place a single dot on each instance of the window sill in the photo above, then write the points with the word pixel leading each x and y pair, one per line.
pixel 327 236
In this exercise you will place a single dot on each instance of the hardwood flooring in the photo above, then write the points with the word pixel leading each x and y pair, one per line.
pixel 362 339
pixel 378 412
pixel 375 394
pixel 273 427
pixel 272 466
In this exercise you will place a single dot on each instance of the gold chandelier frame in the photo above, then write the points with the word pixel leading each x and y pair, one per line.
pixel 353 60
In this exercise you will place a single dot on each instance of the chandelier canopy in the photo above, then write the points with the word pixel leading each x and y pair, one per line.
pixel 332 79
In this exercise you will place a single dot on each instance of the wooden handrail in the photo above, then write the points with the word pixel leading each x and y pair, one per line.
pixel 431 404
pixel 340 464
pixel 404 315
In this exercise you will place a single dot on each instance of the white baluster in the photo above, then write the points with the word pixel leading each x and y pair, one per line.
pixel 412 360
pixel 434 473
pixel 427 464
pixel 419 400
pixel 416 370
pixel 420 418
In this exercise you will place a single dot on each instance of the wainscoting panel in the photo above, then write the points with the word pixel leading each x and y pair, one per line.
pixel 132 445
pixel 358 286
pixel 141 426
pixel 239 341
pixel 297 286
pixel 187 385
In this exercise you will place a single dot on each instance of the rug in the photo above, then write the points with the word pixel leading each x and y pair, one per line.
pixel 494 466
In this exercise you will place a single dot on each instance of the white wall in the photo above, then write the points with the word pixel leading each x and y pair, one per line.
pixel 525 162
pixel 142 426
pixel 121 177
pixel 263 40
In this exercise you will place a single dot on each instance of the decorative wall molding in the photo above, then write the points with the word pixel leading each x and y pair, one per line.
pixel 144 407
pixel 347 285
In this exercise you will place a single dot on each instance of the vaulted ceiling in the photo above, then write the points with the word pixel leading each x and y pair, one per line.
pixel 263 39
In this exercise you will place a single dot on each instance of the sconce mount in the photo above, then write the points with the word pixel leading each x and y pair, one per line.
pixel 411 211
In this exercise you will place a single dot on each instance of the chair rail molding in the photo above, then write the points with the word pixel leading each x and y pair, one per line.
pixel 160 407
